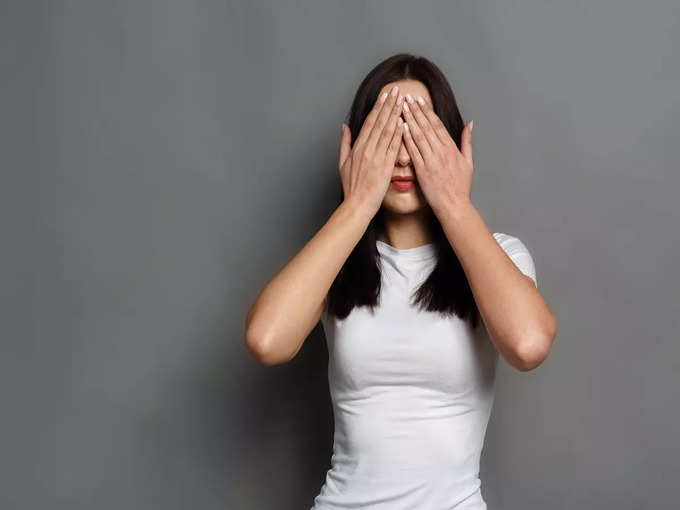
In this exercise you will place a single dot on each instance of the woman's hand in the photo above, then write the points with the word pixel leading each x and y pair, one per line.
pixel 444 173
pixel 366 167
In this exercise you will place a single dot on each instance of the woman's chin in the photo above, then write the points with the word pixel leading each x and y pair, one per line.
pixel 403 203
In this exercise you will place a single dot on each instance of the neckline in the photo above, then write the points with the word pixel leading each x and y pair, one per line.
pixel 422 252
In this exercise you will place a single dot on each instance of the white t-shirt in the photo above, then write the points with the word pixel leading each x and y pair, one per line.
pixel 412 393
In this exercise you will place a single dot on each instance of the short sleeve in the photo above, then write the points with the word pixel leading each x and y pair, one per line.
pixel 518 253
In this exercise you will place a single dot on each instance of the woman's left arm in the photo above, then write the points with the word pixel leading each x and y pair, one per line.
pixel 519 321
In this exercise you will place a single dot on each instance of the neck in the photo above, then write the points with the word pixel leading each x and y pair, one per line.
pixel 403 231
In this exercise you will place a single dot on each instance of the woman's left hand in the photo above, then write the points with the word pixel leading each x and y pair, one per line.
pixel 443 172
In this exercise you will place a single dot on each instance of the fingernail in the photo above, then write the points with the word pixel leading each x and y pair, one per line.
pixel 421 100
pixel 383 97
pixel 409 98
pixel 394 90
pixel 471 125
pixel 406 106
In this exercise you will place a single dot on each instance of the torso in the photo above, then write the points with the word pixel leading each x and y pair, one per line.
pixel 412 393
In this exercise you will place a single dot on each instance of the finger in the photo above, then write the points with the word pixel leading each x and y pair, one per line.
pixel 390 126
pixel 466 142
pixel 370 119
pixel 395 143
pixel 424 123
pixel 436 124
pixel 412 148
pixel 345 144
pixel 383 115
pixel 416 133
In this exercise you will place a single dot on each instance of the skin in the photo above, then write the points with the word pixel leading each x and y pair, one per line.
pixel 406 212
pixel 519 321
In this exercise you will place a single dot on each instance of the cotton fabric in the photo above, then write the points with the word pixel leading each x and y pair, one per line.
pixel 412 393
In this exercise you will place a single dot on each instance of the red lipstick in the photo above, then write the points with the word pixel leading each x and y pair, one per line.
pixel 403 183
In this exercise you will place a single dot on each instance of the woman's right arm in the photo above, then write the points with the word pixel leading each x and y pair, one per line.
pixel 291 304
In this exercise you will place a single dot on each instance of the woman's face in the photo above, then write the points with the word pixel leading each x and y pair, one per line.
pixel 405 201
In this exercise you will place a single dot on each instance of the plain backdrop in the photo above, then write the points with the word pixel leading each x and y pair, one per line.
pixel 163 160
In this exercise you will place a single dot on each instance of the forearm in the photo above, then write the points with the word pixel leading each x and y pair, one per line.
pixel 516 316
pixel 289 306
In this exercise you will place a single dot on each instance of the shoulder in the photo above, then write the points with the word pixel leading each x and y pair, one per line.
pixel 518 253
pixel 509 242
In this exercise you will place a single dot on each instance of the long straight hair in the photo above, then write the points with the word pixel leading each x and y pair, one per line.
pixel 358 283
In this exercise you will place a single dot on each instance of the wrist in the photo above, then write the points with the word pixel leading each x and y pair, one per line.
pixel 356 209
pixel 359 208
pixel 455 209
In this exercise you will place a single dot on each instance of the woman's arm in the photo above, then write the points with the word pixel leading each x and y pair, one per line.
pixel 290 305
pixel 516 316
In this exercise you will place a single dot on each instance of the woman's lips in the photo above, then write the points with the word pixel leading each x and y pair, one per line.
pixel 402 185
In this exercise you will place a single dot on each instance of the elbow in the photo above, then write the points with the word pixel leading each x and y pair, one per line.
pixel 255 348
pixel 258 349
pixel 265 351
pixel 256 341
pixel 534 349
pixel 257 344
pixel 529 357
pixel 267 345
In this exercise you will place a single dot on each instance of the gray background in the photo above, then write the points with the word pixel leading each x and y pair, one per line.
pixel 162 161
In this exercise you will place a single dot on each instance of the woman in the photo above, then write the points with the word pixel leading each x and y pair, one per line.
pixel 400 276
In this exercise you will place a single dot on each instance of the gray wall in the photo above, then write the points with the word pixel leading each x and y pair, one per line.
pixel 161 161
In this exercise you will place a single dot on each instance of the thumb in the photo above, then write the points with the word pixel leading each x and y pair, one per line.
pixel 466 142
pixel 345 147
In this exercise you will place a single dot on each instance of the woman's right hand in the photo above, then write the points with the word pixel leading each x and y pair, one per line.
pixel 366 167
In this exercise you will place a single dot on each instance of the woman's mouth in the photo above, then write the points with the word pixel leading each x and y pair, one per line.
pixel 403 183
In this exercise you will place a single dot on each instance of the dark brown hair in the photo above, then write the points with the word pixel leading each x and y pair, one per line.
pixel 358 283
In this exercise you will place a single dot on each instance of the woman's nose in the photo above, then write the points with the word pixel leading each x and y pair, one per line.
pixel 403 158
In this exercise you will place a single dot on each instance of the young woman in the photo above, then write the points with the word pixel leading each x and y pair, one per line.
pixel 400 276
